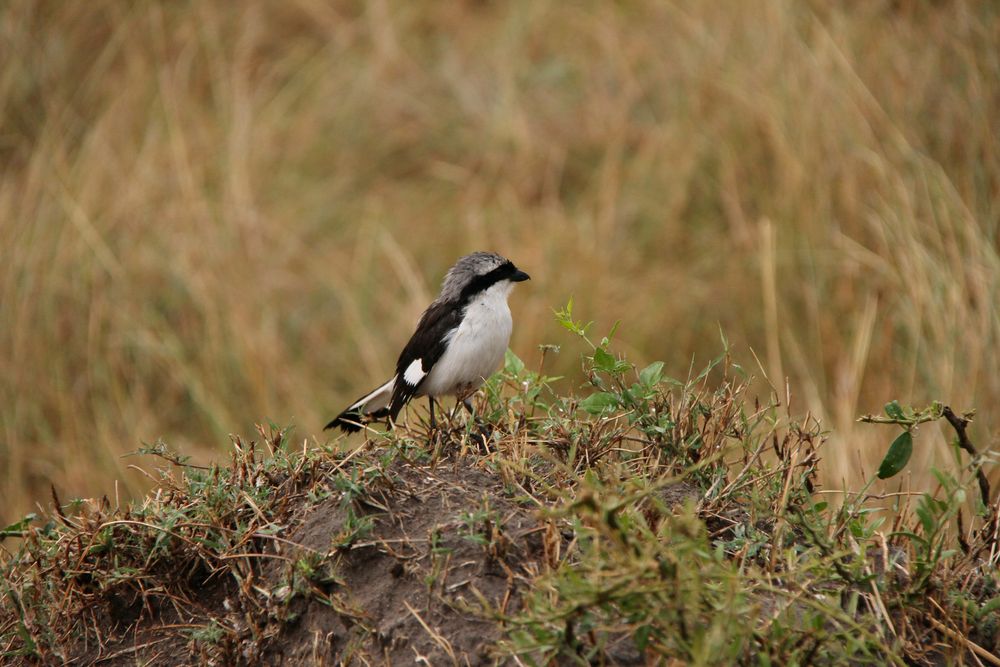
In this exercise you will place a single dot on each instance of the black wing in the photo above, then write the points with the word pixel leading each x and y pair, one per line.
pixel 427 344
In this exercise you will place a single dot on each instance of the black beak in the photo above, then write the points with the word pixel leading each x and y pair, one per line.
pixel 519 276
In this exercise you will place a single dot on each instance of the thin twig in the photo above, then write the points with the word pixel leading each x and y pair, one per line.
pixel 438 639
pixel 969 644
pixel 131 649
pixel 959 424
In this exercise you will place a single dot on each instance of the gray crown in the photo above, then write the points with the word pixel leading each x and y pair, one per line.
pixel 465 270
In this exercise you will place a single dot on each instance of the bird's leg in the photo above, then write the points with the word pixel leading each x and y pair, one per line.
pixel 480 434
pixel 433 423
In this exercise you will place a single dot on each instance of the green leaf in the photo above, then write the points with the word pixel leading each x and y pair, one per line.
pixel 30 648
pixel 642 636
pixel 512 363
pixel 926 520
pixel 565 316
pixel 925 514
pixel 651 374
pixel 944 479
pixel 603 360
pixel 17 529
pixel 897 456
pixel 894 410
pixel 597 403
pixel 569 325
pixel 990 607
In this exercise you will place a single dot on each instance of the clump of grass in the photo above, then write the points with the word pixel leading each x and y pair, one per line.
pixel 666 576
pixel 74 584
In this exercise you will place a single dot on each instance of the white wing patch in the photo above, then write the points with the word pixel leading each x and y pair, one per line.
pixel 414 373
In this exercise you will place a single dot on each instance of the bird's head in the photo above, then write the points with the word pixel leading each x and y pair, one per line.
pixel 477 272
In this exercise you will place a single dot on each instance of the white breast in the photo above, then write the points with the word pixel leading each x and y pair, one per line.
pixel 477 346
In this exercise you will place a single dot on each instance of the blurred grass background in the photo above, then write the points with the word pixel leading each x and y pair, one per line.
pixel 214 213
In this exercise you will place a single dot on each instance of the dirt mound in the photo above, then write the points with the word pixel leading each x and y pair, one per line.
pixel 445 545
pixel 413 563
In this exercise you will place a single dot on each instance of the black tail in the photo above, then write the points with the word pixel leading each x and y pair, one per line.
pixel 351 421
pixel 372 405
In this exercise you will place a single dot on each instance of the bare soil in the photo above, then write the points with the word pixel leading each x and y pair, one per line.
pixel 446 543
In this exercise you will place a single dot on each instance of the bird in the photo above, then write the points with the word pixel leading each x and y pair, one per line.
pixel 459 341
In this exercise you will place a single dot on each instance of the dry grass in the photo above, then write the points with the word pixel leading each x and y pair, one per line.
pixel 213 213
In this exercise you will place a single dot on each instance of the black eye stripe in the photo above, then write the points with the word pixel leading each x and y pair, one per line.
pixel 487 280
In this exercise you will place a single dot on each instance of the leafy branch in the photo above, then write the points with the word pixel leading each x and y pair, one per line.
pixel 902 447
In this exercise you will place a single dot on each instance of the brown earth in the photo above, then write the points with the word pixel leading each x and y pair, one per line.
pixel 447 549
